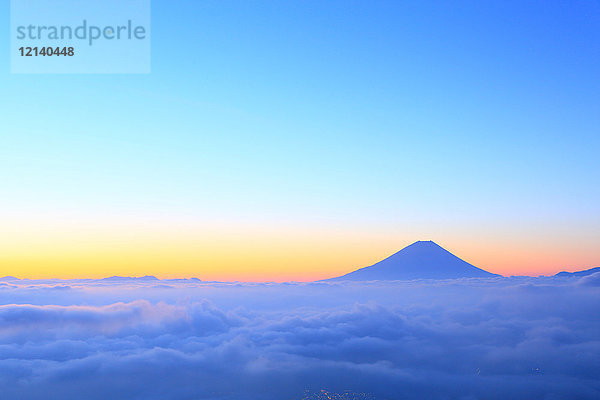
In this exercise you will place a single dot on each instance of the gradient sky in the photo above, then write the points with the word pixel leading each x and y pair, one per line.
pixel 300 140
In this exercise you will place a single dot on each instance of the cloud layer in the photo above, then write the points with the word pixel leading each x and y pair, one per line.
pixel 458 339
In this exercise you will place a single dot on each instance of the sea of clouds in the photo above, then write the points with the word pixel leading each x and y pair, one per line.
pixel 498 338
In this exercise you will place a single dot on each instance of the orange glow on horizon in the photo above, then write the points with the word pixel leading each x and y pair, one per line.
pixel 259 253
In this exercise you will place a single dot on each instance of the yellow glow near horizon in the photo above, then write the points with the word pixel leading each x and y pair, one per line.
pixel 257 260
pixel 254 252
pixel 249 256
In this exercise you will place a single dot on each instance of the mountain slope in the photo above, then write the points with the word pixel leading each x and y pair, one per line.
pixel 420 260
pixel 585 272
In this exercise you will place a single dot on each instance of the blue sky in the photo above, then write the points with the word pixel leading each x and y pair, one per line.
pixel 453 120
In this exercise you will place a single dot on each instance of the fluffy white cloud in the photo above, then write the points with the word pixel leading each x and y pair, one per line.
pixel 469 339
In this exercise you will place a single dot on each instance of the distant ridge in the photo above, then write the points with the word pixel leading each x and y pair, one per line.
pixel 115 279
pixel 579 273
pixel 130 278
pixel 420 260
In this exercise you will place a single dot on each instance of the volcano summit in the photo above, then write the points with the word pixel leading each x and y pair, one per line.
pixel 420 260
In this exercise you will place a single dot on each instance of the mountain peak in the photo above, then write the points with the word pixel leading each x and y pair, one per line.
pixel 584 272
pixel 423 259
pixel 424 243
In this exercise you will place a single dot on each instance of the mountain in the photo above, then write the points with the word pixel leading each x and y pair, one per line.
pixel 585 272
pixel 420 260
pixel 147 278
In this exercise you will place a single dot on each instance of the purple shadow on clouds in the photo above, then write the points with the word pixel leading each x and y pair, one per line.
pixel 453 339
